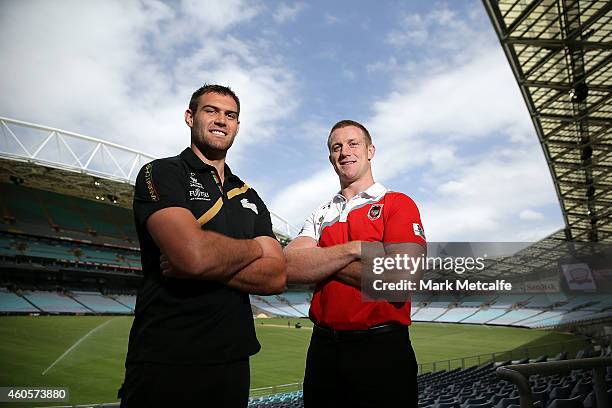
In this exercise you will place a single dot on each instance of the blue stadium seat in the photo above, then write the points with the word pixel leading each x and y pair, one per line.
pixel 561 392
pixel 566 403
pixel 505 402
pixel 582 388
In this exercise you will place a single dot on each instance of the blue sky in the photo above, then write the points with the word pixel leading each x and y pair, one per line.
pixel 428 78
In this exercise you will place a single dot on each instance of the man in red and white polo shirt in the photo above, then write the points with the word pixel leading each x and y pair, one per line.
pixel 360 353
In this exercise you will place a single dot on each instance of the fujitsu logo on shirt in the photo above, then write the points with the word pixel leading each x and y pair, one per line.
pixel 196 189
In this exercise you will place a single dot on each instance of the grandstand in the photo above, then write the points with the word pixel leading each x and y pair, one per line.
pixel 68 245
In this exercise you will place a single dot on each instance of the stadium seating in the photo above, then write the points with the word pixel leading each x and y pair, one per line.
pixel 480 387
pixel 515 316
pixel 12 303
pixel 276 305
pixel 428 314
pixel 508 300
pixel 285 400
pixel 457 314
pixel 19 248
pixel 127 300
pixel 475 300
pixel 99 303
pixel 506 309
pixel 53 302
pixel 44 213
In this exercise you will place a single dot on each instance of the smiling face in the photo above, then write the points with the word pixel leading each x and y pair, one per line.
pixel 214 124
pixel 350 154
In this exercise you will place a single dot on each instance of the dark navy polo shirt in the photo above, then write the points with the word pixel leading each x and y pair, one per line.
pixel 193 321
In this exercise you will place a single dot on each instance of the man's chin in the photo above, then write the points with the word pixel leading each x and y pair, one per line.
pixel 214 149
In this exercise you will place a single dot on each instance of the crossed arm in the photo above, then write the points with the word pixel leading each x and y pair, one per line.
pixel 309 263
pixel 249 265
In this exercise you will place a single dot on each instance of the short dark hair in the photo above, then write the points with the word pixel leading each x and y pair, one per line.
pixel 212 88
pixel 347 122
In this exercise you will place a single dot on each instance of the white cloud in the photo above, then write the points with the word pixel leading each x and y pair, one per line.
pixel 331 19
pixel 299 200
pixel 457 133
pixel 481 198
pixel 124 71
pixel 531 215
pixel 285 12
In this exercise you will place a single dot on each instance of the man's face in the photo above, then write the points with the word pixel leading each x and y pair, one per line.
pixel 350 153
pixel 215 123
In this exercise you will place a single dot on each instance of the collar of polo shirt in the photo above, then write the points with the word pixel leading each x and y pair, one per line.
pixel 197 164
pixel 373 191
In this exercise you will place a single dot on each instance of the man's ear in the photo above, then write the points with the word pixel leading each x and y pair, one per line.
pixel 371 151
pixel 189 118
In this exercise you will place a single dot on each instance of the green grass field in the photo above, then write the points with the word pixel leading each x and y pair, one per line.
pixel 93 369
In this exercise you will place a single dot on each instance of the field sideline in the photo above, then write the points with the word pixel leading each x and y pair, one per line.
pixel 86 353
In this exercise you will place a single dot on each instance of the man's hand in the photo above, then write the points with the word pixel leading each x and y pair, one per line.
pixel 192 252
pixel 351 273
pixel 309 263
pixel 169 271
pixel 266 275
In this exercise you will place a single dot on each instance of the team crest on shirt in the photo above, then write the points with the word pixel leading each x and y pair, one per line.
pixel 245 203
pixel 375 211
pixel 418 230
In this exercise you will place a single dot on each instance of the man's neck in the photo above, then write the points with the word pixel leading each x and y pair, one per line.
pixel 350 190
pixel 211 159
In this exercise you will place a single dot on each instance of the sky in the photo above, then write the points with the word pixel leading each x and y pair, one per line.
pixel 427 78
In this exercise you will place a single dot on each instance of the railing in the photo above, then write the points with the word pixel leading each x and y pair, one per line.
pixel 61 149
pixel 519 375
pixel 571 347
pixel 47 146
pixel 275 389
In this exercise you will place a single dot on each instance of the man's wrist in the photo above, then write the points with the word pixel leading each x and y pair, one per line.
pixel 354 250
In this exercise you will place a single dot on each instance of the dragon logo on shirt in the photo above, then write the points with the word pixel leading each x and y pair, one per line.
pixel 375 211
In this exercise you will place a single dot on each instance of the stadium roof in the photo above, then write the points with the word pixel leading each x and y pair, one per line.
pixel 560 52
pixel 69 163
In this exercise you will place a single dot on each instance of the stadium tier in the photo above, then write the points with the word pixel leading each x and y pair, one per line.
pixel 12 303
pixel 128 301
pixel 480 387
pixel 297 304
pixel 18 248
pixel 66 302
pixel 43 213
pixel 442 309
pixel 99 303
pixel 457 314
pixel 54 302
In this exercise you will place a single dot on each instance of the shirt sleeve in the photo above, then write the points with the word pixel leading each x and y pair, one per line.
pixel 309 228
pixel 263 222
pixel 159 184
pixel 403 221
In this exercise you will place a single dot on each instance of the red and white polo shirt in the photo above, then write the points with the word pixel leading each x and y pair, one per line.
pixel 375 215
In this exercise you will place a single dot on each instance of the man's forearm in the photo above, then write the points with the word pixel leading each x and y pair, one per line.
pixel 264 276
pixel 311 265
pixel 350 274
pixel 220 257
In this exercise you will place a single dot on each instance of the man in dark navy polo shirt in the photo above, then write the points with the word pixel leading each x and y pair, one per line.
pixel 360 354
pixel 206 243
